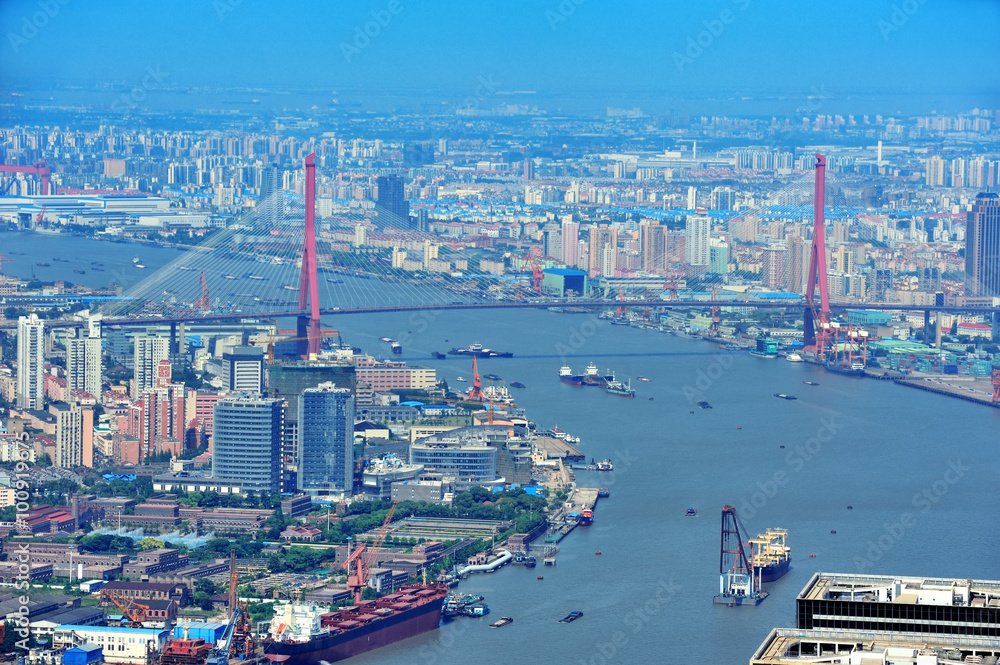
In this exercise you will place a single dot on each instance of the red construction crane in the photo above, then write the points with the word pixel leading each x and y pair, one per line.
pixel 363 566
pixel 39 169
pixel 136 612
pixel 622 309
pixel 2 259
pixel 41 213
pixel 477 383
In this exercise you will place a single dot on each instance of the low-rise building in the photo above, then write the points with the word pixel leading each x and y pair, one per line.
pixel 120 644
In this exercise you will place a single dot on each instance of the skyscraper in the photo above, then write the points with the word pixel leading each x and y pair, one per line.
pixel 30 361
pixel 775 273
pixel 270 205
pixel 243 369
pixel 246 442
pixel 392 208
pixel 149 351
pixel 698 230
pixel 982 248
pixel 552 241
pixel 83 362
pixel 326 440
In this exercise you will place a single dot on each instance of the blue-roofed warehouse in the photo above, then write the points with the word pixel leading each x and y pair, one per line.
pixel 558 281
pixel 84 654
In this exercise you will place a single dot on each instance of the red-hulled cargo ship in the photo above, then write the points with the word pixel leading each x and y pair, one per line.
pixel 302 635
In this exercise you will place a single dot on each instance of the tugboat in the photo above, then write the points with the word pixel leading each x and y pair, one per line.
pixel 691 512
pixel 784 396
pixel 437 355
pixel 616 387
pixel 605 465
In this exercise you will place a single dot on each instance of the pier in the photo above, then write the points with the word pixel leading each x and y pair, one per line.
pixel 581 499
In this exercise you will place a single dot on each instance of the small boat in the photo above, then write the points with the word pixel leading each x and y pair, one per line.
pixel 138 265
pixel 704 405
pixel 184 268
pixel 793 358
pixel 460 379
pixel 228 277
pixel 96 263
pixel 396 347
pixel 810 383
pixel 571 617
pixel 98 269
pixel 438 355
pixel 691 512
pixel 850 507
pixel 517 384
pixel 642 378
pixel 604 492
pixel 784 396
pixel 540 577
pixel 385 339
pixel 491 377
pixel 61 260
pixel 502 621
pixel 598 552
pixel 833 531
pixel 290 288
pixel 43 264
pixel 812 555
pixel 135 259
pixel 605 465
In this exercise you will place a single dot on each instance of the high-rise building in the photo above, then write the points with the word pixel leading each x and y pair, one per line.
pixel 958 172
pixel 697 234
pixel 552 241
pixel 158 418
pixel 935 171
pixel 326 440
pixel 392 208
pixel 982 248
pixel 718 257
pixel 722 198
pixel 798 264
pixel 246 442
pixel 570 243
pixel 654 248
pixel 529 170
pixel 601 237
pixel 74 435
pixel 30 362
pixel 83 362
pixel 692 198
pixel 881 284
pixel 775 274
pixel 243 369
pixel 149 351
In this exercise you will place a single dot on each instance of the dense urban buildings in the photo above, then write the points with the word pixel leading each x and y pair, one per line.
pixel 246 442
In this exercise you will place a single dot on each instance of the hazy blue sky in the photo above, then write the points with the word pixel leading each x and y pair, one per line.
pixel 921 47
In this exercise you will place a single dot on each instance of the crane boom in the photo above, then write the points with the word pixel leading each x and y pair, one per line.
pixel 136 612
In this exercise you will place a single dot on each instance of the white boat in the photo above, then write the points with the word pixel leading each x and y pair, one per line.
pixel 793 358
pixel 138 265
pixel 135 259
pixel 460 379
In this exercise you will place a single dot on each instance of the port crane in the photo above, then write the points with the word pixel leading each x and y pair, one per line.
pixel 363 565
pixel 477 383
pixel 137 613
pixel 40 169
pixel 237 640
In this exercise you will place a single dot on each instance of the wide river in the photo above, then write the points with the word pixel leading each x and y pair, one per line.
pixel 918 470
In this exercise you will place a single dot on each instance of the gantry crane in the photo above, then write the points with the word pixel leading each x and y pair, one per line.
pixel 137 613
pixel 363 565
pixel 39 169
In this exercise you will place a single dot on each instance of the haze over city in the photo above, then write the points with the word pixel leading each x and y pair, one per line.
pixel 559 331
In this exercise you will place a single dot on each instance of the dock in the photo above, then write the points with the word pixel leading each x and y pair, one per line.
pixel 582 498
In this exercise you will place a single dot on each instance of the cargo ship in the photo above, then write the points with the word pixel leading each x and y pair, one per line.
pixel 586 518
pixel 771 555
pixel 566 375
pixel 478 350
pixel 592 377
pixel 303 635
